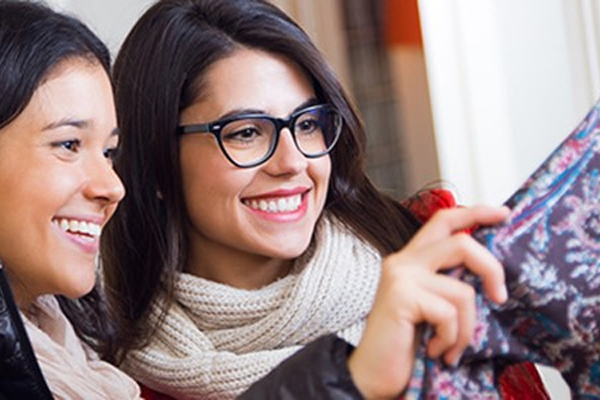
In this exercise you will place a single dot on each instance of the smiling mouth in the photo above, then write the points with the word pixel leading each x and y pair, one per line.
pixel 276 205
pixel 78 227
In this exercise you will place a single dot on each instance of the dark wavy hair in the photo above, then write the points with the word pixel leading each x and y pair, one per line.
pixel 158 72
pixel 34 40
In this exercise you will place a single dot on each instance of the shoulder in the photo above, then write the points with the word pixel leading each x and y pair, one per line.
pixel 318 371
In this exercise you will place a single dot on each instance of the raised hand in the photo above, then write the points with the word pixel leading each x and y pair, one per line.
pixel 413 291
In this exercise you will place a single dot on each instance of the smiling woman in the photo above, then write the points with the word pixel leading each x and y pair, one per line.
pixel 250 228
pixel 57 139
pixel 58 149
pixel 242 215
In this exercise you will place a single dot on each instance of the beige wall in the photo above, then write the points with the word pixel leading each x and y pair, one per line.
pixel 322 20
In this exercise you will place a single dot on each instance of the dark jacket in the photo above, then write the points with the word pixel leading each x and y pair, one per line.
pixel 327 355
pixel 20 374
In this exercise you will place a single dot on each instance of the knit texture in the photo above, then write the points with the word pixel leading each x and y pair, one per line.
pixel 217 340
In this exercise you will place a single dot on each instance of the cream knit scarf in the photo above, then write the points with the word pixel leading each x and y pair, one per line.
pixel 217 340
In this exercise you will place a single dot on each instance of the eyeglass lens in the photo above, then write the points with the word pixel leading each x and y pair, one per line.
pixel 251 140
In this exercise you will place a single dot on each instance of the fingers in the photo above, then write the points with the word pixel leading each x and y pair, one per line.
pixel 462 249
pixel 412 291
pixel 440 245
pixel 449 306
pixel 449 221
pixel 411 277
pixel 410 295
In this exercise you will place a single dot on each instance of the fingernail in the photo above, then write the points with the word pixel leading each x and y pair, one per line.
pixel 503 294
pixel 452 360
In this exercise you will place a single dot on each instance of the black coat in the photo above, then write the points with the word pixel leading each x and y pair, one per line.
pixel 20 374
pixel 318 371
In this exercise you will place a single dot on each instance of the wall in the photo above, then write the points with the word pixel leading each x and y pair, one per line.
pixel 110 19
pixel 509 80
pixel 405 46
pixel 322 20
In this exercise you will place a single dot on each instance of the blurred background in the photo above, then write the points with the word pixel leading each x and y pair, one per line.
pixel 469 94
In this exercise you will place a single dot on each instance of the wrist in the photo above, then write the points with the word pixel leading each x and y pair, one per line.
pixel 361 372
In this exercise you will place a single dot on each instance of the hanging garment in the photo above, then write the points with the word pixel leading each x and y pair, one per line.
pixel 550 249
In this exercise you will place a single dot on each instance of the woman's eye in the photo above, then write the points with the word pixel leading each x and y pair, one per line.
pixel 307 126
pixel 111 153
pixel 69 145
pixel 242 135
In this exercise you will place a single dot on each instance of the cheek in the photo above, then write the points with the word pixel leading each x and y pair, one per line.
pixel 211 202
pixel 321 173
pixel 110 211
pixel 15 213
pixel 54 188
pixel 212 188
pixel 29 194
pixel 210 182
pixel 199 178
pixel 27 210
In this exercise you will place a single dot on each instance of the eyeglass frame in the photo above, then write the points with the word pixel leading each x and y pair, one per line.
pixel 214 128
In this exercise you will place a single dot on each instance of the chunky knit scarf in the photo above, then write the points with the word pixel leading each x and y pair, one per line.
pixel 217 340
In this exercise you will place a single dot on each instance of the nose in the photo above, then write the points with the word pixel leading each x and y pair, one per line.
pixel 286 159
pixel 103 184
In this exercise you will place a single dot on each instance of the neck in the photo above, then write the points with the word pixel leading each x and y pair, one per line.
pixel 238 269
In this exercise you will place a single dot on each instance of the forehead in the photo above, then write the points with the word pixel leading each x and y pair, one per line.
pixel 256 79
pixel 76 81
pixel 71 63
pixel 75 89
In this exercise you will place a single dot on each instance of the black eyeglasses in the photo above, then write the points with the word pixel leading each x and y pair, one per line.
pixel 250 140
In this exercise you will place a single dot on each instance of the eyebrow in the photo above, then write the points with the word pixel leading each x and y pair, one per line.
pixel 76 123
pixel 69 122
pixel 244 111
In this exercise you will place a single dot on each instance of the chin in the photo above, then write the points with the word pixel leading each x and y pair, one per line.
pixel 80 287
pixel 290 253
pixel 77 294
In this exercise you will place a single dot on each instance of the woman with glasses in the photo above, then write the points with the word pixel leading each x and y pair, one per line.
pixel 58 137
pixel 250 228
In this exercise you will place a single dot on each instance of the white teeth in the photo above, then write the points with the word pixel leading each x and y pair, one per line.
pixel 262 205
pixel 283 204
pixel 76 226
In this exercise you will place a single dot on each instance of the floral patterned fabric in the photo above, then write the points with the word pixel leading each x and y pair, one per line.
pixel 550 248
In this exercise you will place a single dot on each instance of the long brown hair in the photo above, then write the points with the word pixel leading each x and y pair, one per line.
pixel 159 71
